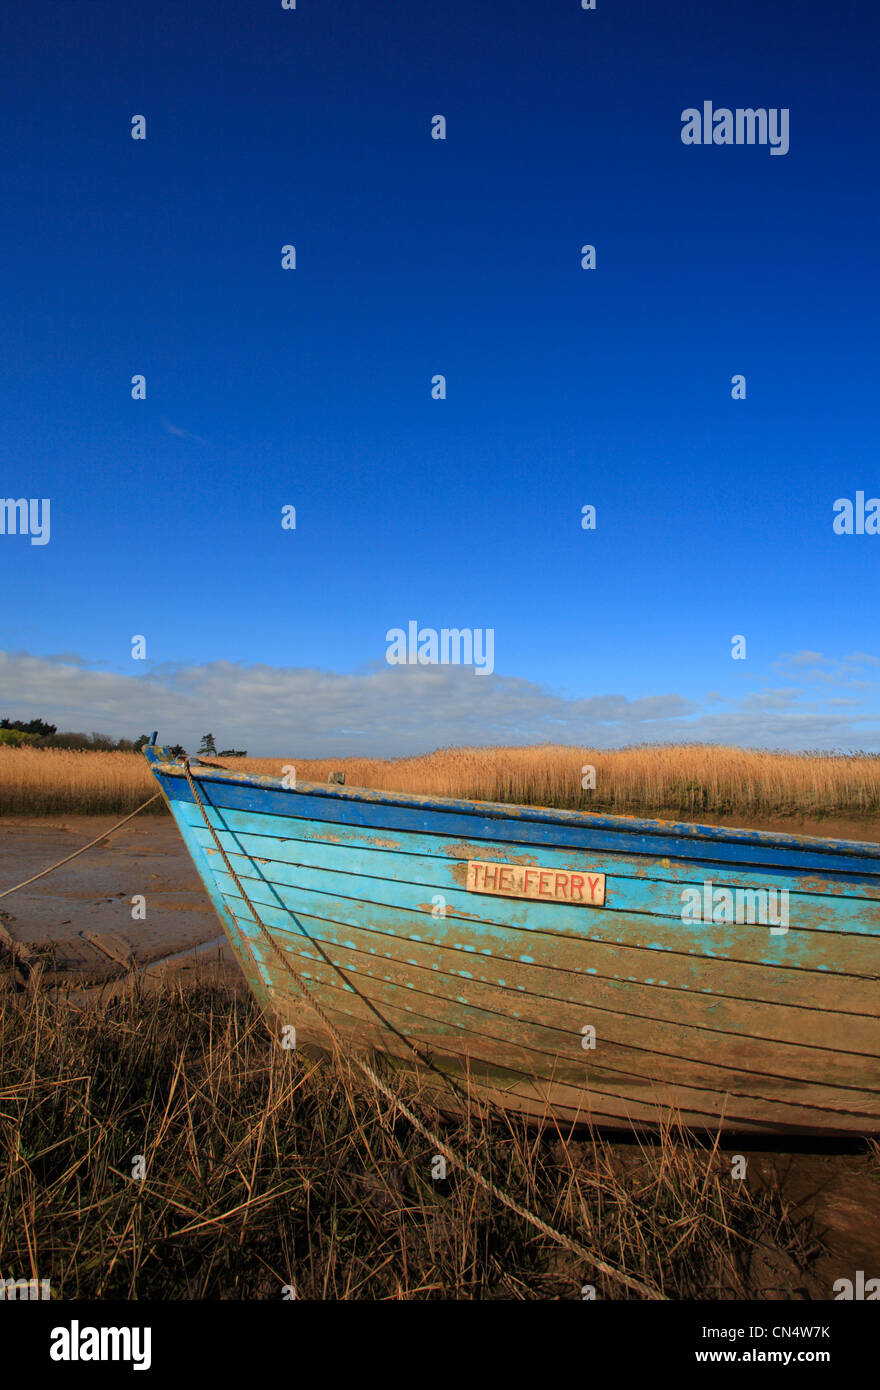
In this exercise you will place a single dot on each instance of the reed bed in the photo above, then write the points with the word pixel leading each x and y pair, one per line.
pixel 61 781
pixel 269 1175
pixel 686 780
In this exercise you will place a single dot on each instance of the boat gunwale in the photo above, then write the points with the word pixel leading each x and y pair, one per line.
pixel 161 762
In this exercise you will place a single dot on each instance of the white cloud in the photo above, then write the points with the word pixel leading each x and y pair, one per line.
pixel 862 659
pixel 181 433
pixel 804 658
pixel 385 710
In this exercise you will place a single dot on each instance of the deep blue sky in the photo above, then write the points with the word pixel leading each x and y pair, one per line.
pixel 414 257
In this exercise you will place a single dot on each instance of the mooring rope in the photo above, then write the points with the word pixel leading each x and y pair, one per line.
pixel 590 1257
pixel 67 859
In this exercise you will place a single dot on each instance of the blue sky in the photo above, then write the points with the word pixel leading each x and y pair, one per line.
pixel 415 256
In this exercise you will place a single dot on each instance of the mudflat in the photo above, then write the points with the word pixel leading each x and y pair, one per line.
pixel 78 919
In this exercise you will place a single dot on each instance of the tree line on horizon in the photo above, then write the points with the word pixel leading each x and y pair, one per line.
pixel 37 733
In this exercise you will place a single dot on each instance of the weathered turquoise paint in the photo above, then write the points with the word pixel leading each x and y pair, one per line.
pixel 731 1023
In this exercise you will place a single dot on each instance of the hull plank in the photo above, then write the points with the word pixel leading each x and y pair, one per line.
pixel 298 835
pixel 614 1085
pixel 651 1048
pixel 857 861
pixel 516 989
pixel 802 946
pixel 625 954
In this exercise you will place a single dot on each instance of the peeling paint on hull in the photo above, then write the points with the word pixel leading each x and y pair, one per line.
pixel 730 1024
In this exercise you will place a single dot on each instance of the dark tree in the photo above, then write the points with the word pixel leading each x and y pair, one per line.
pixel 34 726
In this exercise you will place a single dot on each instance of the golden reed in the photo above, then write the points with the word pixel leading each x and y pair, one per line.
pixel 649 779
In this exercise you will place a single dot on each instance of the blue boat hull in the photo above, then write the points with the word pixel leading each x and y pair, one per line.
pixel 672 994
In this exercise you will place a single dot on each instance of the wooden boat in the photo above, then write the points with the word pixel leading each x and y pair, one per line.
pixel 561 963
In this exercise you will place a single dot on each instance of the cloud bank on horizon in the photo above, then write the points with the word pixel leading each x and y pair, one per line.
pixel 804 701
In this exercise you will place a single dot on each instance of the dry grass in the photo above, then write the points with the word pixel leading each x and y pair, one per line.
pixel 647 778
pixel 265 1170
pixel 51 781
pixel 685 780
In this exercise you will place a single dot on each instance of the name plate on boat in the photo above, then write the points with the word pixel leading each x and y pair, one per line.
pixel 577 887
